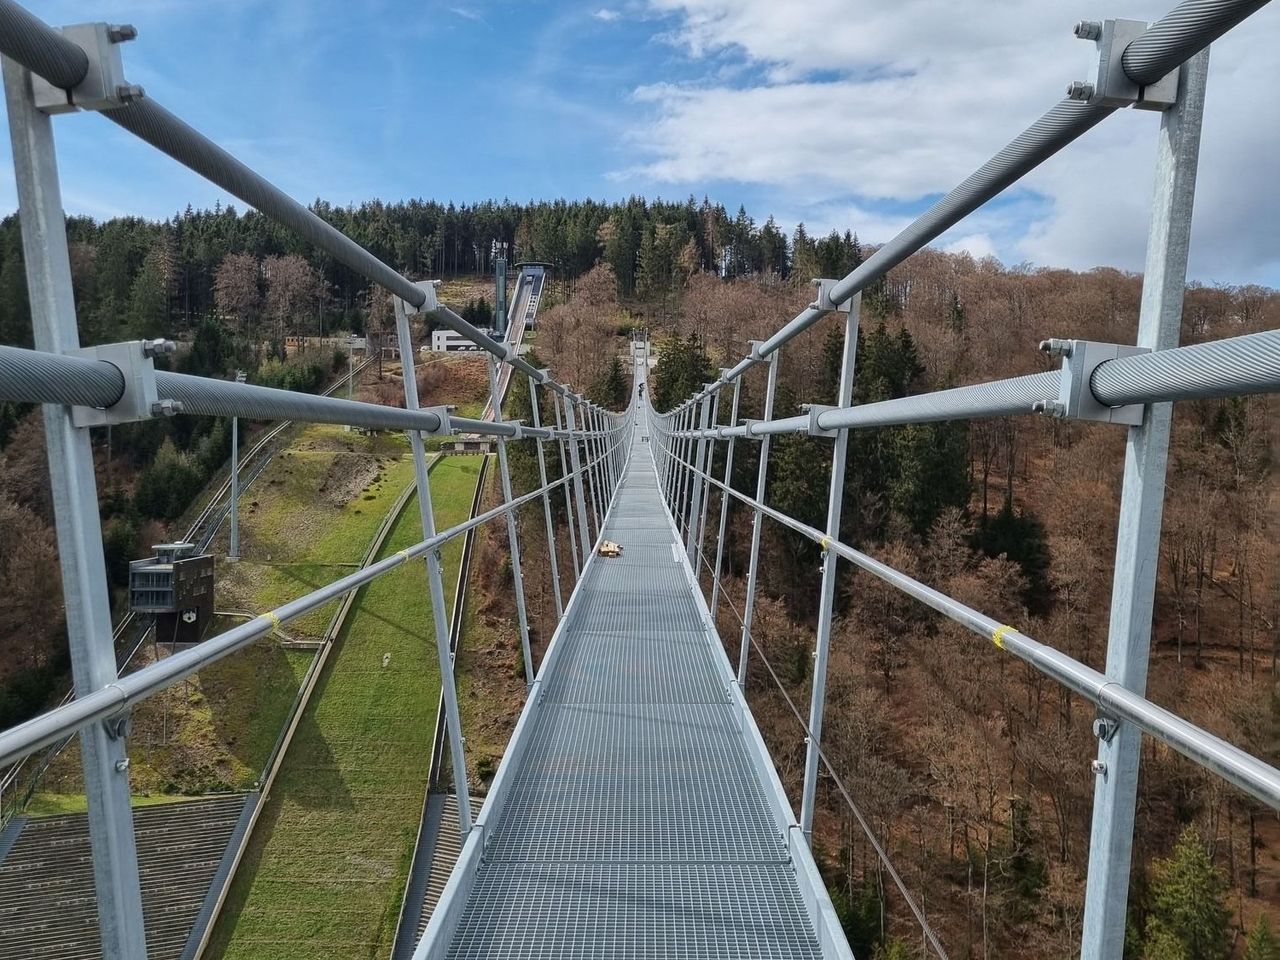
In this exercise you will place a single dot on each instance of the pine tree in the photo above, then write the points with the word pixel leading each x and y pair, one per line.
pixel 1261 944
pixel 1189 917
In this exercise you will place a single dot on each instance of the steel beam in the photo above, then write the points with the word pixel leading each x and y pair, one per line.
pixel 79 526
pixel 517 575
pixel 830 566
pixel 435 577
pixel 757 523
pixel 536 414
pixel 724 500
pixel 1141 507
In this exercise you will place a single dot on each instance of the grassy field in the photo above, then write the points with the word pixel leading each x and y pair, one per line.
pixel 307 520
pixel 325 871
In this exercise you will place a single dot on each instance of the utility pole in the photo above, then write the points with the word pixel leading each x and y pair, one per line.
pixel 234 553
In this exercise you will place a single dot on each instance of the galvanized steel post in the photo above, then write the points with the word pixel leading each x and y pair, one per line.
pixel 691 545
pixel 707 461
pixel 568 492
pixel 584 533
pixel 725 498
pixel 79 526
pixel 757 522
pixel 517 576
pixel 546 499
pixel 435 576
pixel 1141 507
pixel 830 566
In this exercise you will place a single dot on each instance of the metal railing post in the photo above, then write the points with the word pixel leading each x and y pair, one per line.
pixel 1141 508
pixel 584 532
pixel 725 498
pixel 698 452
pixel 435 575
pixel 830 567
pixel 757 522
pixel 568 492
pixel 683 449
pixel 517 575
pixel 79 526
pixel 590 466
pixel 707 461
pixel 546 499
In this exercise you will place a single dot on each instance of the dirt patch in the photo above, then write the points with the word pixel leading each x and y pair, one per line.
pixel 347 478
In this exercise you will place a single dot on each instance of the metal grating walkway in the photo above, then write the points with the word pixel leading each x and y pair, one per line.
pixel 635 819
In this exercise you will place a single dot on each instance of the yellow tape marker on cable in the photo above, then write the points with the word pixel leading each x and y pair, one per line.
pixel 403 553
pixel 997 637
pixel 275 620
pixel 824 544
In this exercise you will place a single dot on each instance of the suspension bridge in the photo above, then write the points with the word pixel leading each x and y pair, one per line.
pixel 636 812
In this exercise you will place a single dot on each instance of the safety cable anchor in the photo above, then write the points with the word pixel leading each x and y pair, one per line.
pixel 104 86
pixel 824 301
pixel 1080 358
pixel 140 399
pixel 1113 87
pixel 816 410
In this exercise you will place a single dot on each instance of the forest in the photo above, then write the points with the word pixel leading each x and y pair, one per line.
pixel 973 769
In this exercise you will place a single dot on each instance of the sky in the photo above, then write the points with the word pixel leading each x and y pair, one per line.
pixel 843 114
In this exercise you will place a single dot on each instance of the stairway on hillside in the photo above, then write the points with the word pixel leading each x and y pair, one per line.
pixel 433 862
pixel 47 904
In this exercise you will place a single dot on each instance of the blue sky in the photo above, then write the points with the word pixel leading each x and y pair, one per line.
pixel 841 113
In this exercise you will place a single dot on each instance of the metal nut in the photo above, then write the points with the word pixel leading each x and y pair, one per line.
pixel 1088 30
pixel 1079 90
pixel 152 348
pixel 1098 767
pixel 166 408
pixel 127 92
pixel 122 32
pixel 1056 347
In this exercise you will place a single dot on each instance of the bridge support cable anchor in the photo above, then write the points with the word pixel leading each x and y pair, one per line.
pixel 725 498
pixel 517 575
pixel 568 491
pixel 694 510
pixel 757 521
pixel 534 403
pixel 77 521
pixel 1141 507
pixel 830 565
pixel 584 532
pixel 435 576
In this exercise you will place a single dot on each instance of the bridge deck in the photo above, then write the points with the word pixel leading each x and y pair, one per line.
pixel 637 814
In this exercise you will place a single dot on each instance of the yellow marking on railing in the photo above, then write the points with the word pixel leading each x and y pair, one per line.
pixel 997 637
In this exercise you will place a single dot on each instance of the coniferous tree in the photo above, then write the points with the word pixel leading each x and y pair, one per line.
pixel 1188 917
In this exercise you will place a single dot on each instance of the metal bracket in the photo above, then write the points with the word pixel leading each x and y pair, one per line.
pixel 104 87
pixel 824 301
pixel 519 428
pixel 1075 397
pixel 755 351
pixel 140 401
pixel 430 305
pixel 445 428
pixel 815 410
pixel 1114 88
pixel 750 425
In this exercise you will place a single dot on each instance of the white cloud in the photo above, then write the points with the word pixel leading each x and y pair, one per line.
pixel 897 102
pixel 607 15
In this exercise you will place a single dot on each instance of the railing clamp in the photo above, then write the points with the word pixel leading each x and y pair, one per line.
pixel 104 86
pixel 140 400
pixel 430 305
pixel 755 351
pixel 1113 87
pixel 446 427
pixel 815 410
pixel 1080 358
pixel 1105 728
pixel 824 301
